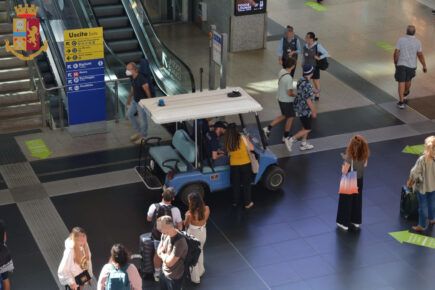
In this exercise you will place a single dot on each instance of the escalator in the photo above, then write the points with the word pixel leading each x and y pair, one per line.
pixel 118 32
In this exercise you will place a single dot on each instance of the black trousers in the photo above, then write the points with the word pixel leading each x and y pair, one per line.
pixel 168 284
pixel 241 175
pixel 350 207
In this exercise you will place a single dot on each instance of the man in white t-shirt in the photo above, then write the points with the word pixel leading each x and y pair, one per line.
pixel 157 210
pixel 285 98
pixel 408 49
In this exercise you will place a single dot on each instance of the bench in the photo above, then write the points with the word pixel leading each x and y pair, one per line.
pixel 179 156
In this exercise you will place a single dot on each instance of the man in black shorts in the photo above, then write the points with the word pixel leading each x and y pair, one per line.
pixel 285 98
pixel 304 109
pixel 408 49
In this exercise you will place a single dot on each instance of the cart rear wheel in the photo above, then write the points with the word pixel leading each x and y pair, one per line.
pixel 273 178
pixel 196 187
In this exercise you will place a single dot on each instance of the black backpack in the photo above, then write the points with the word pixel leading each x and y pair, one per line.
pixel 193 251
pixel 160 210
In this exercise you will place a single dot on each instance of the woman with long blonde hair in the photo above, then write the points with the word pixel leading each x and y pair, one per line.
pixel 75 269
pixel 422 177
pixel 349 213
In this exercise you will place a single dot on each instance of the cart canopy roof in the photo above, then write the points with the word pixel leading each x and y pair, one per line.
pixel 201 105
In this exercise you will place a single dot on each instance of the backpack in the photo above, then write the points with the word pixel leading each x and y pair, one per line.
pixel 160 210
pixel 118 279
pixel 193 251
pixel 145 70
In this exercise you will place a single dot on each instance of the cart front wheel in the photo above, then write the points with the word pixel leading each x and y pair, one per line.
pixel 273 178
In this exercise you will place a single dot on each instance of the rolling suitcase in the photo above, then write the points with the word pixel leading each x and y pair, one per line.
pixel 408 203
pixel 146 246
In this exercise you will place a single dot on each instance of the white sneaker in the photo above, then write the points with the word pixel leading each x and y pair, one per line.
pixel 134 137
pixel 356 225
pixel 306 146
pixel 283 139
pixel 342 227
pixel 266 132
pixel 156 277
pixel 289 143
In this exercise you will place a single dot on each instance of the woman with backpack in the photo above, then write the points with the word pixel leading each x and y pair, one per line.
pixel 75 269
pixel 422 179
pixel 237 147
pixel 349 213
pixel 316 55
pixel 118 274
pixel 195 224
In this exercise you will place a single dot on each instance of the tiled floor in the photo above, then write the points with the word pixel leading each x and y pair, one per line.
pixel 289 239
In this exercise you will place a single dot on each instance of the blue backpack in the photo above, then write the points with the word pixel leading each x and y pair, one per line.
pixel 118 279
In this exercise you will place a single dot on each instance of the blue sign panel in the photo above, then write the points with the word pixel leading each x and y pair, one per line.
pixel 85 87
pixel 86 91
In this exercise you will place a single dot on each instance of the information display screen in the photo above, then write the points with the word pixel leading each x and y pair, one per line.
pixel 246 7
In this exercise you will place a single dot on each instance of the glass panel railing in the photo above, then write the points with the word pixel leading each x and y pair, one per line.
pixel 170 72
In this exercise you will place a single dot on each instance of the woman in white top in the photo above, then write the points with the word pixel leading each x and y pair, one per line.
pixel 119 262
pixel 76 260
pixel 422 177
pixel 195 222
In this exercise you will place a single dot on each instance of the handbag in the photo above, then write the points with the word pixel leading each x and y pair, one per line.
pixel 82 278
pixel 348 182
pixel 255 165
pixel 322 63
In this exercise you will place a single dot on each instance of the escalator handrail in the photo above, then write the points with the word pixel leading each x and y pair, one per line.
pixel 192 80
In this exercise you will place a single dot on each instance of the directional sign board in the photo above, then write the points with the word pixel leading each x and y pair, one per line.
pixel 217 48
pixel 84 58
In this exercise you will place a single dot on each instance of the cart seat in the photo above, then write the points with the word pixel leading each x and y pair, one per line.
pixel 183 150
pixel 207 169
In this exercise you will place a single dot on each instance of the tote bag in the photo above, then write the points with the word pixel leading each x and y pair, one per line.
pixel 348 182
pixel 254 162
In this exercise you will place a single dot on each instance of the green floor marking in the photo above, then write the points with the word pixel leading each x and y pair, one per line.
pixel 316 6
pixel 385 46
pixel 38 148
pixel 414 239
pixel 415 149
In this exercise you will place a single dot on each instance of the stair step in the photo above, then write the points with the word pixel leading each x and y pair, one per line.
pixel 21 124
pixel 134 56
pixel 14 74
pixel 124 45
pixel 5 28
pixel 3 37
pixel 118 34
pixel 14 86
pixel 4 16
pixel 4 53
pixel 114 22
pixel 109 10
pixel 18 98
pixel 104 2
pixel 11 62
pixel 3 6
pixel 19 111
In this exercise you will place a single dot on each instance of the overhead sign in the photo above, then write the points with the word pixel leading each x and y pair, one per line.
pixel 38 148
pixel 217 47
pixel 246 7
pixel 84 58
pixel 415 239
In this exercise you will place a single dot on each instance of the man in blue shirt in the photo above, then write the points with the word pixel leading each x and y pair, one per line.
pixel 288 47
pixel 213 148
